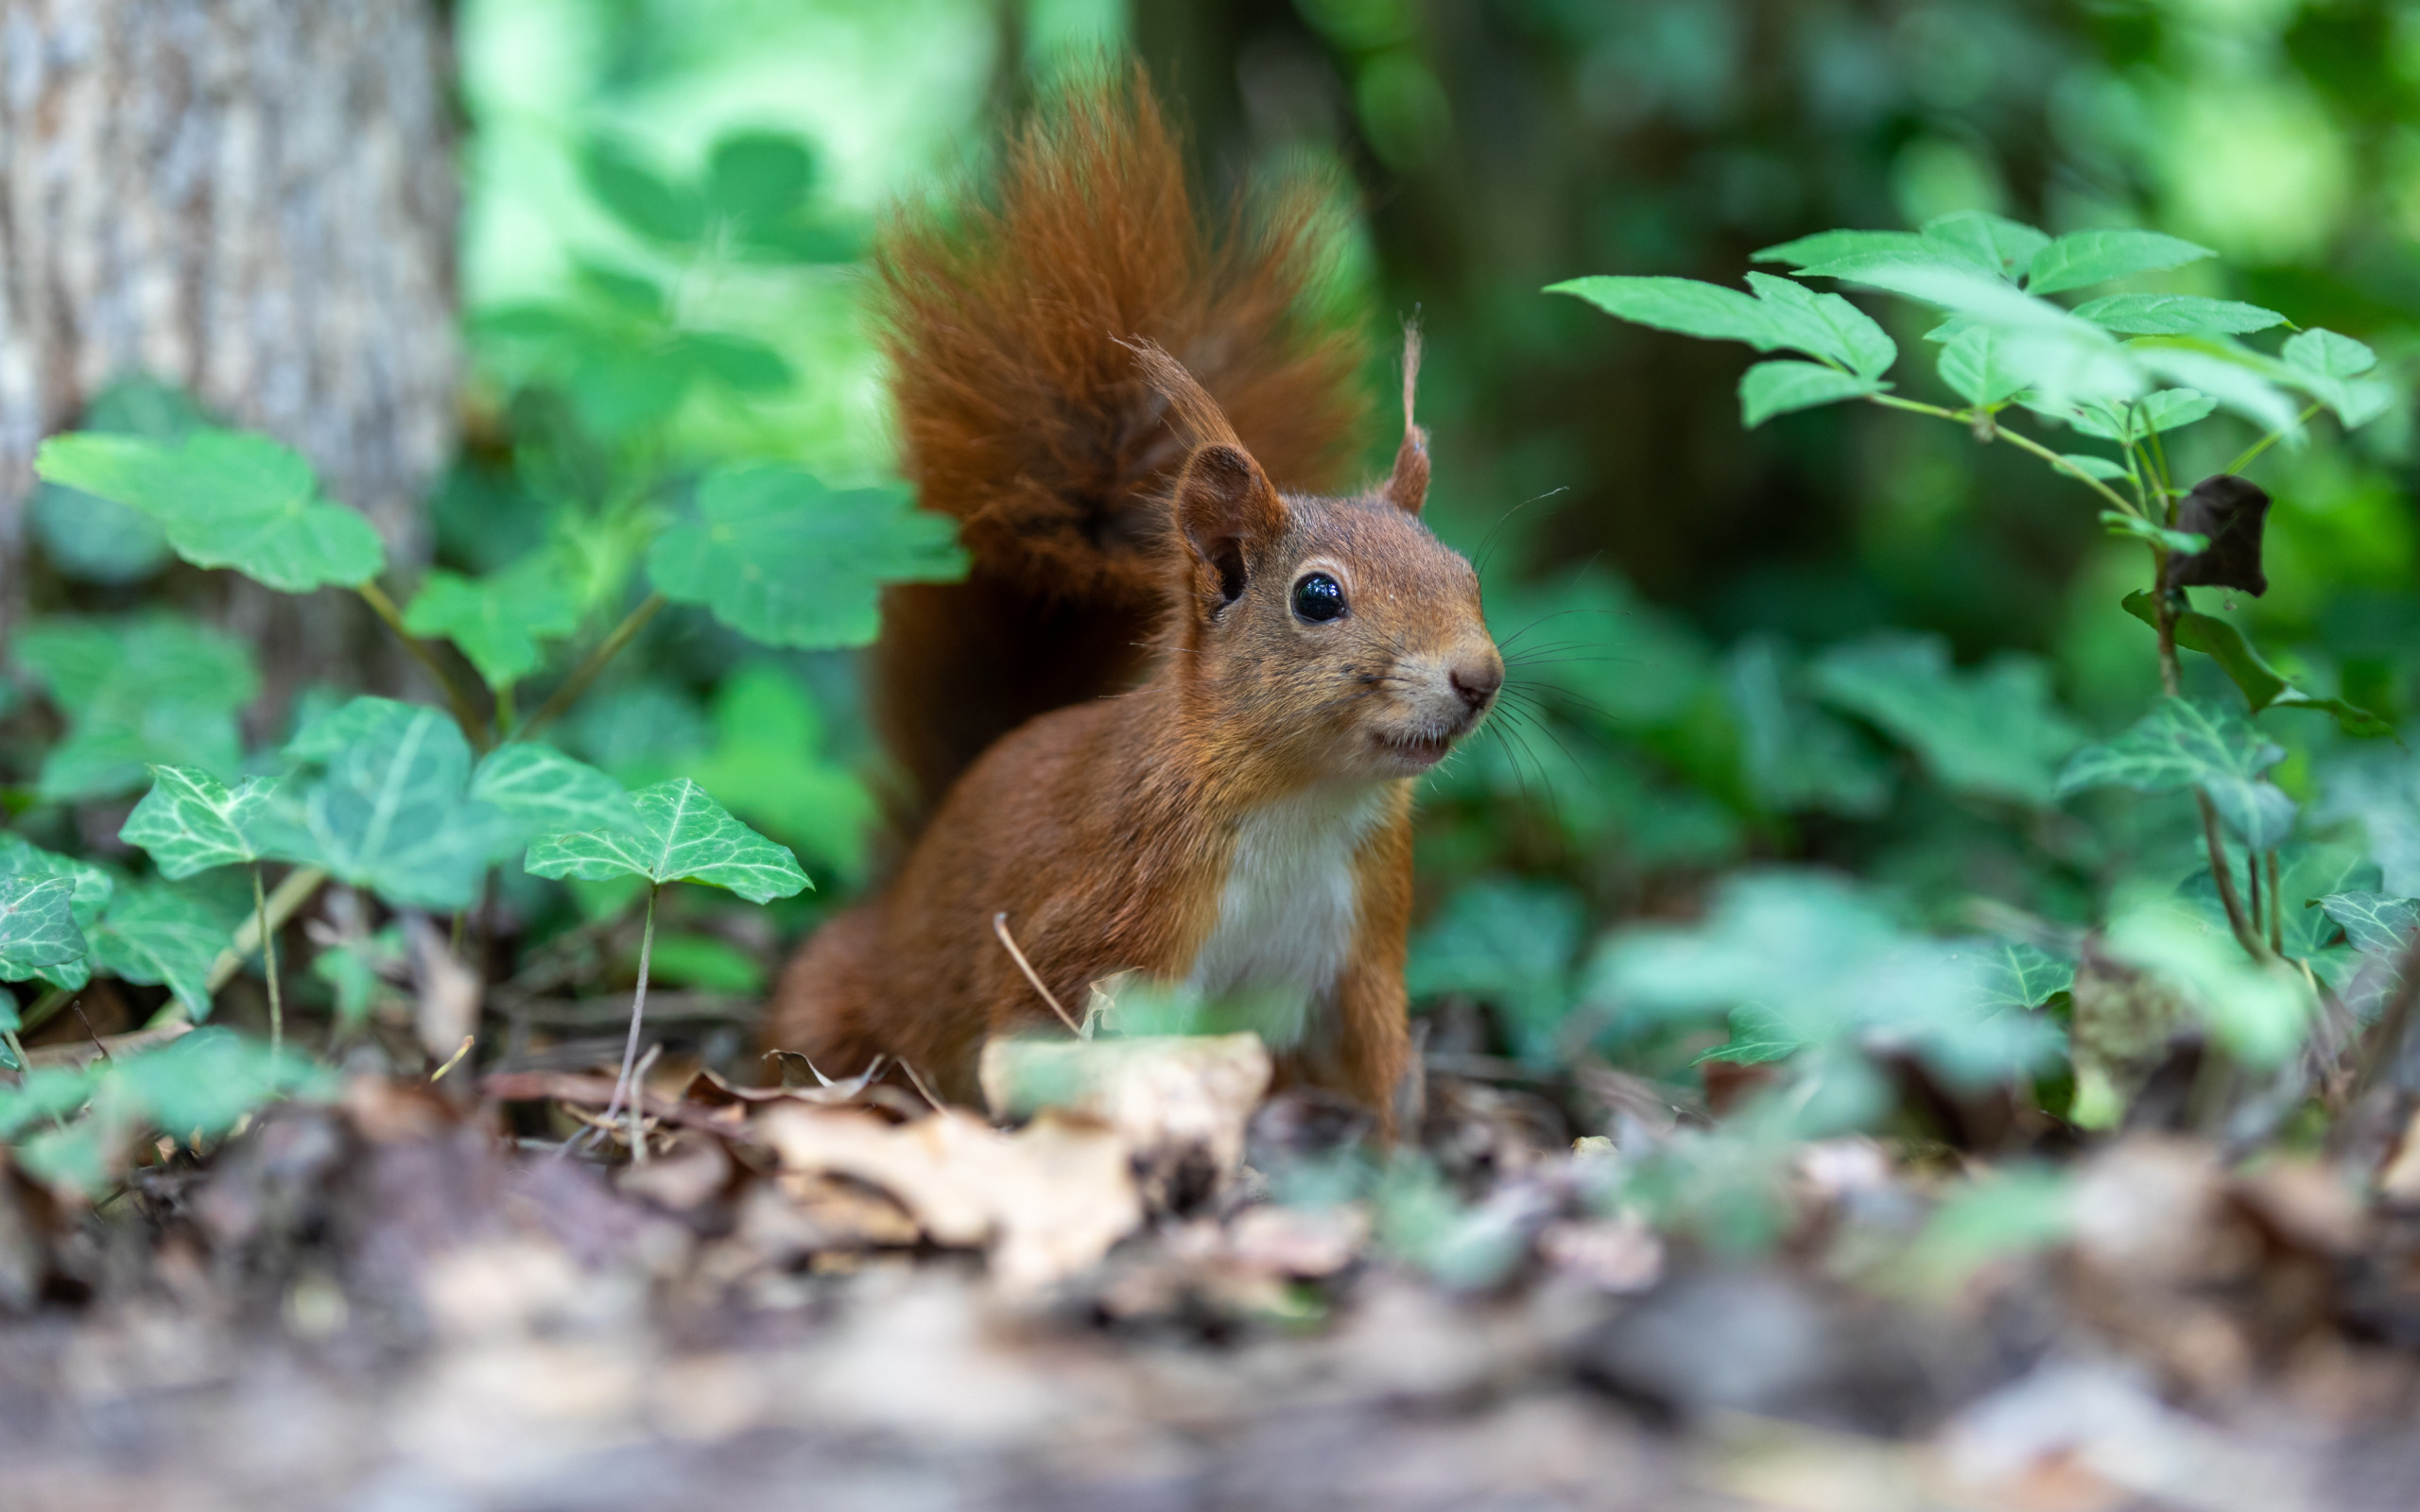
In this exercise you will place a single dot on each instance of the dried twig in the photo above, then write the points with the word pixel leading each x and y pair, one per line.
pixel 1000 927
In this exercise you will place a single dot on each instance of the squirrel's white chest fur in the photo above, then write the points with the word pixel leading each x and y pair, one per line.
pixel 1288 908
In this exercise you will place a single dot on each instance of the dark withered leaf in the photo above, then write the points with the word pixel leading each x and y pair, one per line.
pixel 2231 512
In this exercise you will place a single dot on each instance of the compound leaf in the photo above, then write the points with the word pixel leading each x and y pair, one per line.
pixel 2176 314
pixel 2087 257
pixel 1771 388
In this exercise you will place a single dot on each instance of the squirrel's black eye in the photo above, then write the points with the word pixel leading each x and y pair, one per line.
pixel 1319 598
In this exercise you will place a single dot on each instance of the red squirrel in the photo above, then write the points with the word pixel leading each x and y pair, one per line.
pixel 1170 722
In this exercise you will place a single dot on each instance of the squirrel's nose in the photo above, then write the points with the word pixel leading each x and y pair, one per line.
pixel 1476 681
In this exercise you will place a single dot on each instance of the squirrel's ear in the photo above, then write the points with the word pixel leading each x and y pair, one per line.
pixel 1407 485
pixel 1226 510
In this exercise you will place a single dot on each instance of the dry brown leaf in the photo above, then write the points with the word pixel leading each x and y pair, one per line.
pixel 1049 1201
pixel 1179 1103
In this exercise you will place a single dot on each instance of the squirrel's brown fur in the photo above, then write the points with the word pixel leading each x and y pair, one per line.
pixel 1101 395
pixel 1023 417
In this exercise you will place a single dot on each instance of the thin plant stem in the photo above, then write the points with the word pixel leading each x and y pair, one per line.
pixel 573 687
pixel 466 710
pixel 268 967
pixel 2228 898
pixel 2018 439
pixel 284 900
pixel 2252 887
pixel 2253 452
pixel 638 1009
pixel 2276 910
pixel 46 1008
pixel 503 714
pixel 17 1048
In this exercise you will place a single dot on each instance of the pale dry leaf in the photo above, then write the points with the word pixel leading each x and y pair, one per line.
pixel 1179 1102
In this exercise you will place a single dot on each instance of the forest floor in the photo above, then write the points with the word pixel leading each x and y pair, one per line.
pixel 839 1298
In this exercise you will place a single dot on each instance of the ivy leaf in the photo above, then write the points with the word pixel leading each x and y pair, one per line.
pixel 2230 510
pixel 2020 976
pixel 683 835
pixel 2176 314
pixel 387 807
pixel 546 791
pixel 782 560
pixel 1831 246
pixel 23 860
pixel 1993 731
pixel 226 499
pixel 1794 756
pixel 2087 257
pixel 1771 388
pixel 37 926
pixel 191 822
pixel 160 936
pixel 2373 924
pixel 209 1079
pixel 2184 744
pixel 2004 247
pixel 2306 875
pixel 497 621
pixel 136 692
pixel 1972 365
pixel 98 539
pixel 2263 686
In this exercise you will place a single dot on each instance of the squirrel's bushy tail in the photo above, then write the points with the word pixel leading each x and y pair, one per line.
pixel 1024 415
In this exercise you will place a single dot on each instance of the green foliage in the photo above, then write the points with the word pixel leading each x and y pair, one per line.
pixel 784 561
pixel 136 692
pixel 546 791
pixel 2185 743
pixel 2373 923
pixel 2018 976
pixel 1993 732
pixel 1511 944
pixel 769 765
pixel 37 929
pixel 190 821
pixel 225 499
pixel 498 620
pixel 101 541
pixel 683 835
pixel 165 936
pixel 383 802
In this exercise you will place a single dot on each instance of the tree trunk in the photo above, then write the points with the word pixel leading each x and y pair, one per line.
pixel 253 199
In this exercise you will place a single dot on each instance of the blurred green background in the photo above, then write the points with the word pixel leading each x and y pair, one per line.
pixel 1691 608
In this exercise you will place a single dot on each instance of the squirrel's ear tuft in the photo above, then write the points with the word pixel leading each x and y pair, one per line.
pixel 1226 510
pixel 1407 485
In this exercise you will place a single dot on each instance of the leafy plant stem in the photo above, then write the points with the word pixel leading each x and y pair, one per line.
pixel 288 896
pixel 17 1049
pixel 45 1008
pixel 466 713
pixel 2018 439
pixel 638 1009
pixel 2244 934
pixel 2277 911
pixel 267 934
pixel 573 687
pixel 503 714
pixel 2253 452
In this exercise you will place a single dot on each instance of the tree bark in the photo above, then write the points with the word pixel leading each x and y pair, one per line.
pixel 253 199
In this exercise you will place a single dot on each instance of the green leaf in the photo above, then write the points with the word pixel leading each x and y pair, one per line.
pixel 2324 352
pixel 163 936
pixel 44 1094
pixel 2121 524
pixel 641 198
pixel 136 692
pixel 1972 365
pixel 498 620
pixel 2236 379
pixel 2087 257
pixel 37 926
pixel 706 962
pixel 546 791
pixel 226 499
pixel 206 1081
pixel 1779 316
pixel 1771 388
pixel 1819 963
pixel 97 540
pixel 768 766
pixel 784 561
pixel 1794 756
pixel 750 367
pixel 1511 944
pixel 758 175
pixel 2020 976
pixel 2041 344
pixel 94 887
pixel 2263 686
pixel 2184 744
pixel 388 809
pixel 684 835
pixel 1826 325
pixel 2004 247
pixel 2376 925
pixel 356 967
pixel 2176 314
pixel 2096 467
pixel 2258 1012
pixel 191 822
pixel 2307 874
pixel 1993 731
pixel 1831 246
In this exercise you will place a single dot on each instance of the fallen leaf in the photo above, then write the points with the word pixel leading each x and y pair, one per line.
pixel 1179 1103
